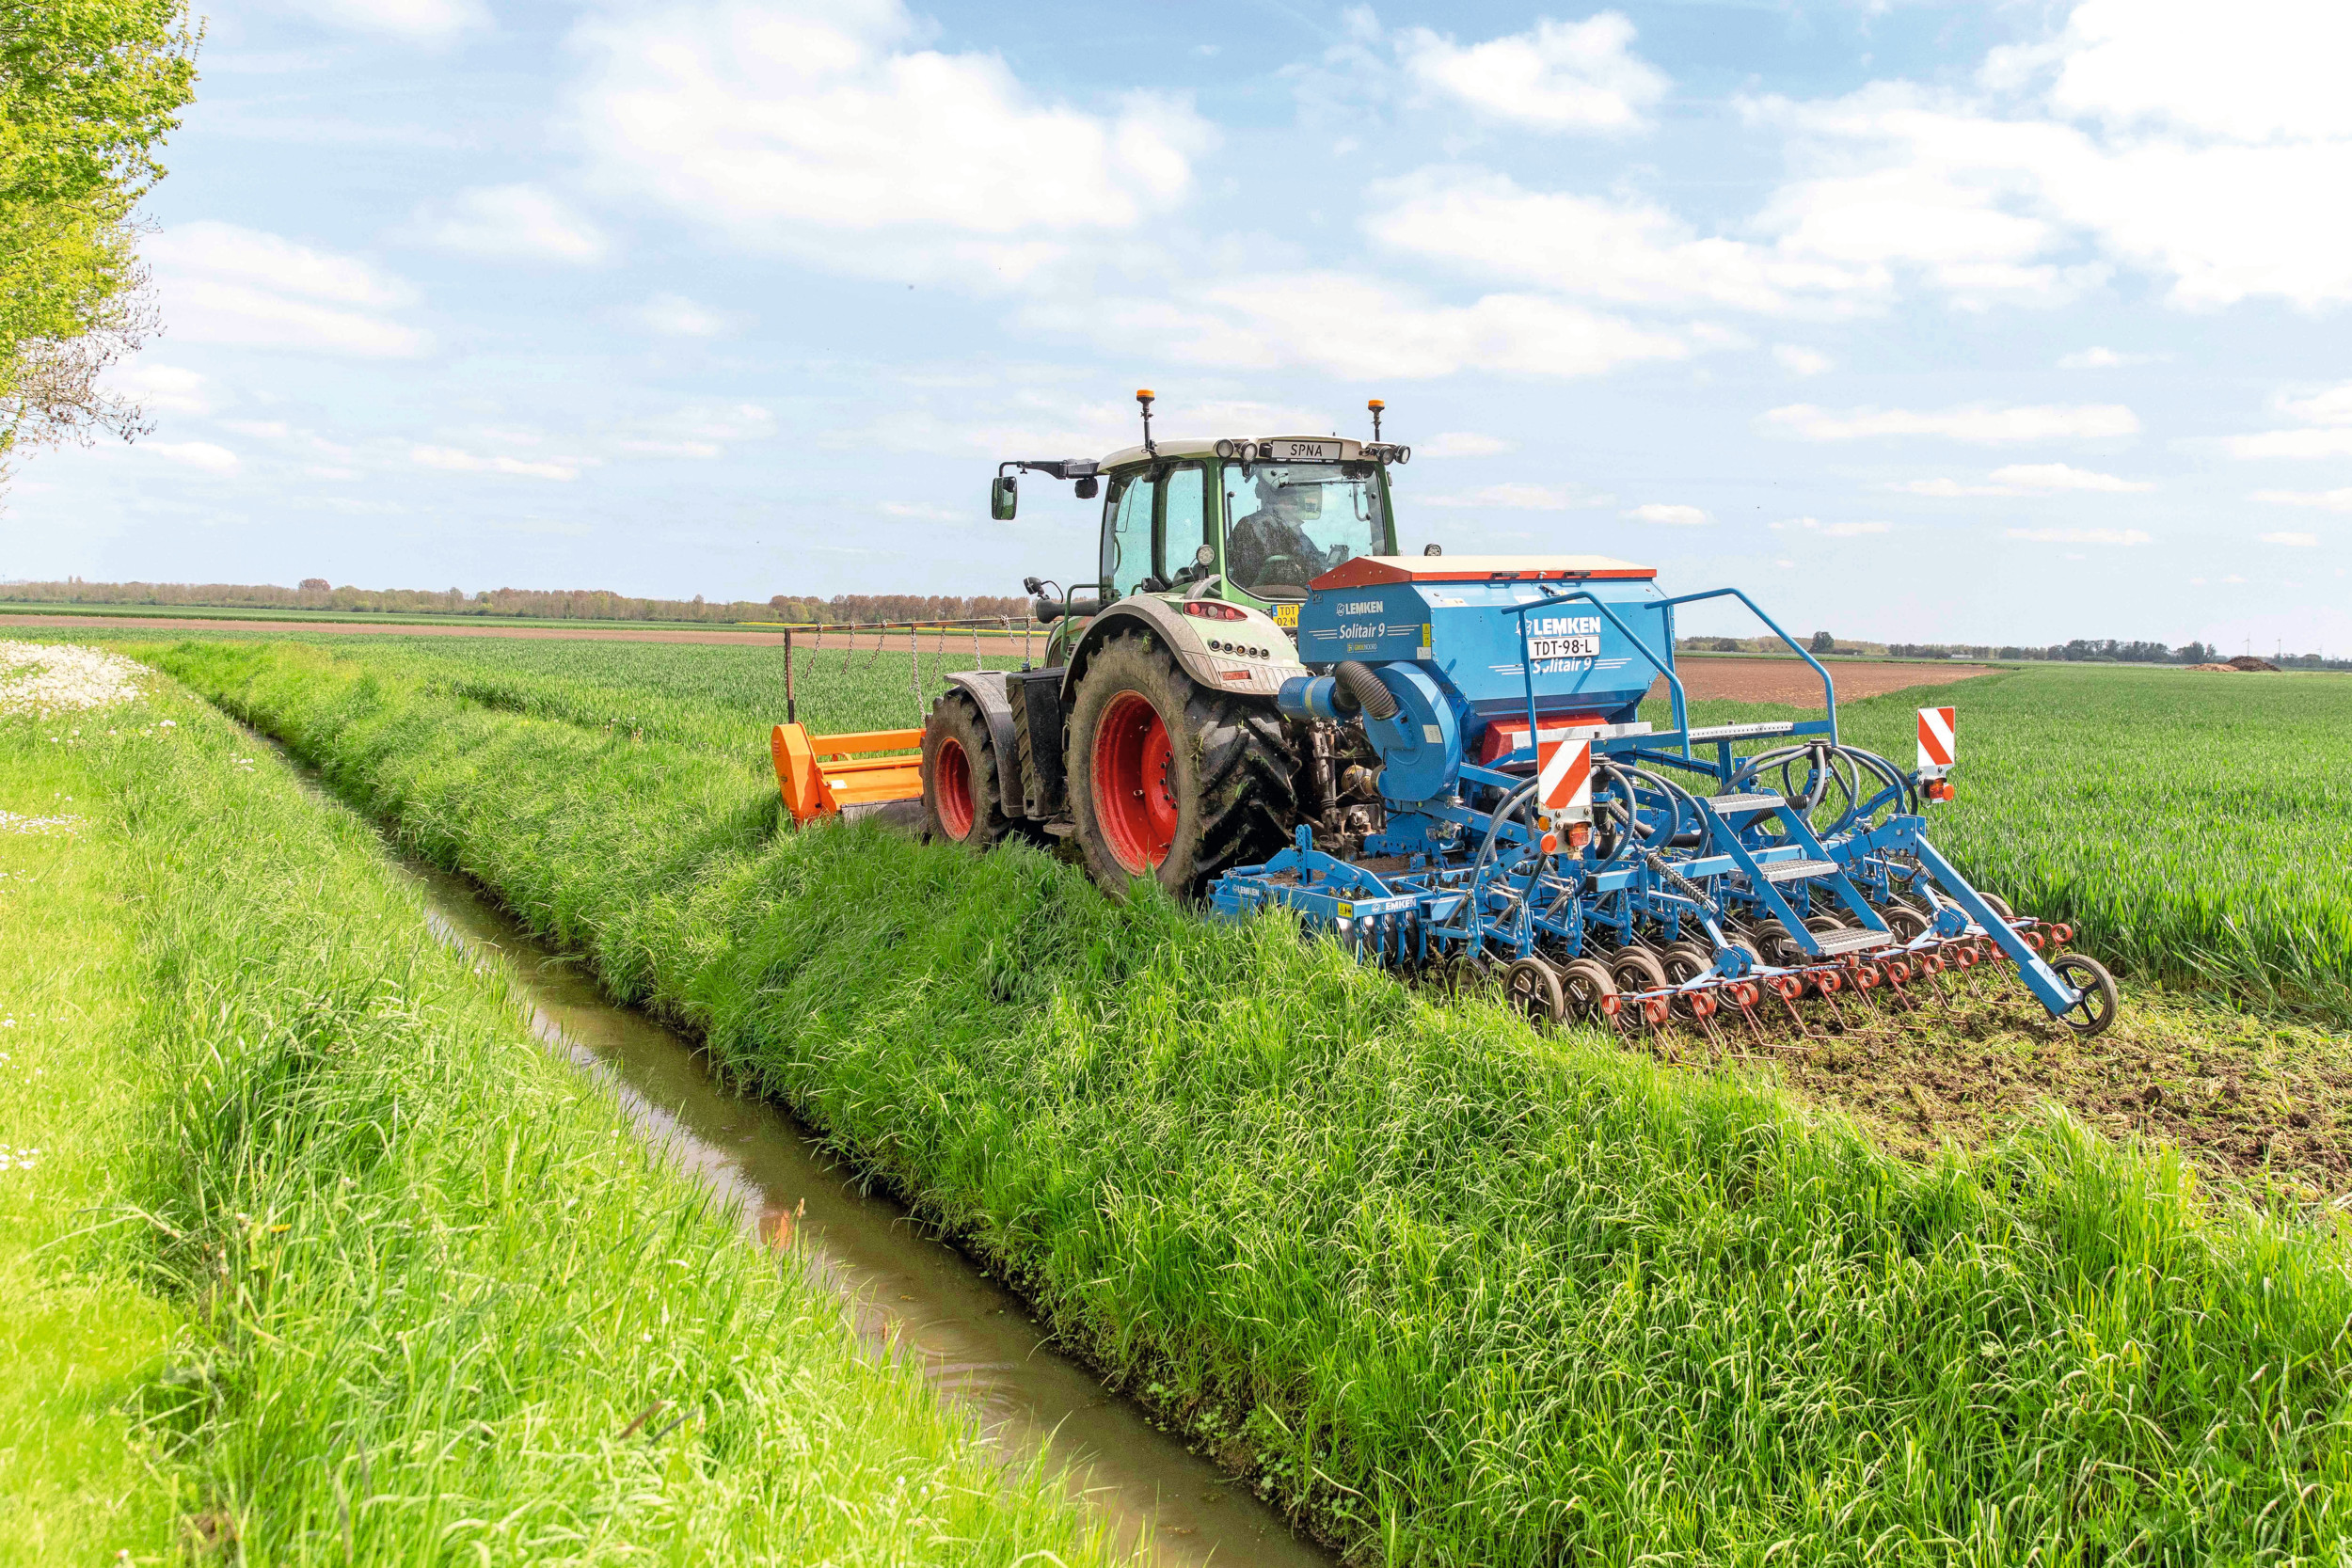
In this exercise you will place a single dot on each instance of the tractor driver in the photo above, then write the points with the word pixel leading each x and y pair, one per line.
pixel 1269 546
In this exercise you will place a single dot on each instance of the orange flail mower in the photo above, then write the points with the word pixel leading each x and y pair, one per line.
pixel 822 775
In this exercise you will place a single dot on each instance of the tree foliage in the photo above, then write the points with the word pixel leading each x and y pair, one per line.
pixel 88 90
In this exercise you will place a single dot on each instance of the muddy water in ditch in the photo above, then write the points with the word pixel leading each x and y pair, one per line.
pixel 973 1339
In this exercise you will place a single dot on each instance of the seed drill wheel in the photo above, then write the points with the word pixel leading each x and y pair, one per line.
pixel 1636 969
pixel 1590 994
pixel 961 799
pixel 1169 778
pixel 1533 991
pixel 2096 1010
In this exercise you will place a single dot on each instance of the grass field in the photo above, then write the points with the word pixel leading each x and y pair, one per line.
pixel 1467 1294
pixel 314 1253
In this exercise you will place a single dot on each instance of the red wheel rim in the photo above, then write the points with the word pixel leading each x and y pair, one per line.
pixel 951 788
pixel 1135 783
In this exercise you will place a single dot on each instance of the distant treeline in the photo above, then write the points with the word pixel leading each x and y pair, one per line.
pixel 2082 650
pixel 575 604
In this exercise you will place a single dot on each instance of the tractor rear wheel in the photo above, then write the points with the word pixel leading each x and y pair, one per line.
pixel 1169 778
pixel 963 798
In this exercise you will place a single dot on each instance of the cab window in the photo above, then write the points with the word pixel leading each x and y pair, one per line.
pixel 1184 526
pixel 1127 534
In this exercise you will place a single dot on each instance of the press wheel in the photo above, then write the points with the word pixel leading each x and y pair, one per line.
pixel 1533 991
pixel 1587 991
pixel 1637 969
pixel 2096 1010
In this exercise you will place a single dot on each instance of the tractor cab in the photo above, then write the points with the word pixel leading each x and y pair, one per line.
pixel 1255 519
pixel 1250 521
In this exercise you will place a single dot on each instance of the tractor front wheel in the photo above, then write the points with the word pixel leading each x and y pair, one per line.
pixel 1171 780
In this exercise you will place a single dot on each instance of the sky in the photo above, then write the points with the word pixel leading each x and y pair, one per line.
pixel 1995 322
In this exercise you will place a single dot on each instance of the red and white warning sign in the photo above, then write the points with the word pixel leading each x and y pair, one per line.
pixel 1564 768
pixel 1935 740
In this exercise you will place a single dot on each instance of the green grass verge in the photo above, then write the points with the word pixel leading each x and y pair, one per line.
pixel 1470 1295
pixel 326 1256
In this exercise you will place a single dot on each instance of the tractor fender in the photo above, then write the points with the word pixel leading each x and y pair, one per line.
pixel 986 688
pixel 1188 637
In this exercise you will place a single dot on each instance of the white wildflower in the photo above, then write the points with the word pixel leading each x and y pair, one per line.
pixel 11 822
pixel 45 679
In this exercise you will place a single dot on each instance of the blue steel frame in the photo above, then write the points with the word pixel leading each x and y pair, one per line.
pixel 1507 910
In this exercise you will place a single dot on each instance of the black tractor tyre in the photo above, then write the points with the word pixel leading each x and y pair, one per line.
pixel 1221 785
pixel 963 790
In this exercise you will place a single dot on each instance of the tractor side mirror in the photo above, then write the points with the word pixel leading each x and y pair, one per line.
pixel 1004 495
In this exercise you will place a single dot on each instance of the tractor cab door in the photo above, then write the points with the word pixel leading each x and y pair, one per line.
pixel 1155 522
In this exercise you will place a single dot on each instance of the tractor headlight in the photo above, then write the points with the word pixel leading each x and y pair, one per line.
pixel 1224 448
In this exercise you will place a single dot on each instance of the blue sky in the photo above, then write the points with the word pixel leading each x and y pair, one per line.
pixel 2004 323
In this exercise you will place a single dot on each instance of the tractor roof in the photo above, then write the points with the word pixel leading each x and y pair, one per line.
pixel 1350 451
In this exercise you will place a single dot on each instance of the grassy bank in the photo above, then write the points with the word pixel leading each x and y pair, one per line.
pixel 2192 826
pixel 339 1264
pixel 1469 1296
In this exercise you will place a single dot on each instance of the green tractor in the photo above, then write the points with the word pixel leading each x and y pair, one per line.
pixel 1150 734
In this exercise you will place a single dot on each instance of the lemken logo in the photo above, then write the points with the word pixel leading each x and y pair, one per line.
pixel 1363 607
pixel 1563 626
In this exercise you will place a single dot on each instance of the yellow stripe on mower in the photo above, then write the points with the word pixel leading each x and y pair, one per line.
pixel 822 775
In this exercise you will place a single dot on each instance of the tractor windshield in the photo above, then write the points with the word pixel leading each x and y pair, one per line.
pixel 1288 523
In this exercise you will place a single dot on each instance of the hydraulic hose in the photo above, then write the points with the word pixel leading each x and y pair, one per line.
pixel 1359 682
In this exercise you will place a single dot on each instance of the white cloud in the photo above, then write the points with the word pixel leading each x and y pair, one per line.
pixel 1675 517
pixel 922 512
pixel 1837 531
pixel 1628 251
pixel 416 21
pixel 219 283
pixel 1556 76
pixel 2108 359
pixel 2250 70
pixel 457 461
pixel 1461 443
pixel 1318 319
pixel 676 316
pixel 520 223
pixel 1947 489
pixel 1802 362
pixel 2177 164
pixel 2328 415
pixel 2058 476
pixel 1519 498
pixel 2080 535
pixel 1981 422
pixel 720 421
pixel 802 130
pixel 2301 540
pixel 194 454
pixel 163 388
pixel 673 448
pixel 2025 479
pixel 2331 406
pixel 2330 501
pixel 2316 442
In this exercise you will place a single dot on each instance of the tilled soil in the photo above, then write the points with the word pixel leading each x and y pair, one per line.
pixel 1794 682
pixel 2242 1095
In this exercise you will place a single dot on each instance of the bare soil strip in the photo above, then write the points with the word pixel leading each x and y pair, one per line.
pixel 1794 682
